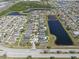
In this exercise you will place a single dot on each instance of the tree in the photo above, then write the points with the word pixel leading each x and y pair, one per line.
pixel 73 57
pixel 22 30
pixel 58 52
pixel 48 47
pixel 52 57
pixel 4 55
pixel 37 44
pixel 45 51
pixel 29 57
pixel 68 28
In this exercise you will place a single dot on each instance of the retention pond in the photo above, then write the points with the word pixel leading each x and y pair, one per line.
pixel 57 29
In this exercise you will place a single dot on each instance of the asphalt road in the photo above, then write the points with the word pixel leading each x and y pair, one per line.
pixel 6 6
pixel 36 52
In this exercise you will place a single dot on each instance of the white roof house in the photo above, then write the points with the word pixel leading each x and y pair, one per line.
pixel 76 33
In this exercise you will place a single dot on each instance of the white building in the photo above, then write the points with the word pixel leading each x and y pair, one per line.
pixel 76 33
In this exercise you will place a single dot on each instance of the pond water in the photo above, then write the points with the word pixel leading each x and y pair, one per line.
pixel 14 13
pixel 57 29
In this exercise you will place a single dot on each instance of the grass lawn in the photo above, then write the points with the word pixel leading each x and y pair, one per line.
pixel 21 6
pixel 51 38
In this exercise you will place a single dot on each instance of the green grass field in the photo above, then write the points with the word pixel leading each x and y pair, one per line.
pixel 21 6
